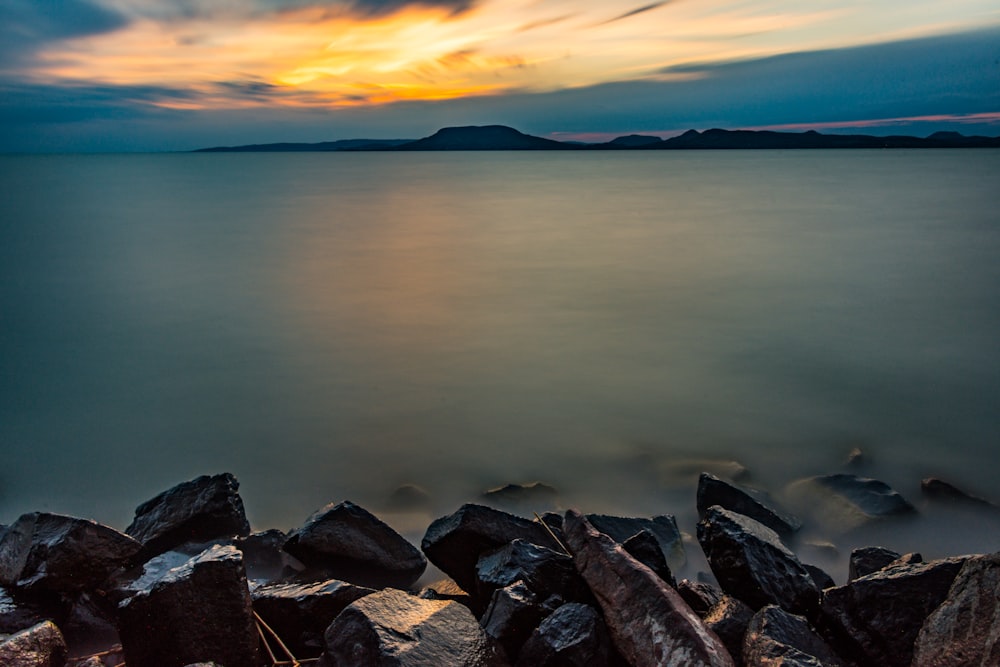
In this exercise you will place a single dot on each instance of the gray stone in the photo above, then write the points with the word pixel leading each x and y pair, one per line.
pixel 574 635
pixel 938 489
pixel 350 543
pixel 645 548
pixel 751 563
pixel 649 622
pixel 866 560
pixel 748 502
pixel 965 629
pixel 523 498
pixel 776 637
pixel 512 615
pixel 546 572
pixel 203 509
pixel 41 645
pixel 844 501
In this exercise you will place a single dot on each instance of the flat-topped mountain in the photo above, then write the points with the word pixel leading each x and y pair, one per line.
pixel 484 138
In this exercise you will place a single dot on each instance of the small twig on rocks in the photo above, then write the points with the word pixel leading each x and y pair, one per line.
pixel 552 534
pixel 292 660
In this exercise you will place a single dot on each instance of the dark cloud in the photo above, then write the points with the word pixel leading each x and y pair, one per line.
pixel 633 12
pixel 27 25
pixel 34 104
pixel 189 9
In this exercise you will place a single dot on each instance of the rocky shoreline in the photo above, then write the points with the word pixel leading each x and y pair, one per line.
pixel 189 583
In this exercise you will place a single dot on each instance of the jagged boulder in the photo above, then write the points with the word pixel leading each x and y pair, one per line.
pixel 52 552
pixel 820 577
pixel 866 560
pixel 199 611
pixel 301 613
pixel 18 614
pixel 392 628
pixel 41 645
pixel 199 510
pixel 546 572
pixel 965 629
pixel 742 500
pixel 513 614
pixel 455 542
pixel 875 619
pixel 645 548
pixel 751 563
pixel 776 637
pixel 699 595
pixel 844 501
pixel 663 527
pixel 728 619
pixel 574 635
pixel 350 543
pixel 649 622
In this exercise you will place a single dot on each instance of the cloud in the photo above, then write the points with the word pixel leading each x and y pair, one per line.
pixel 27 25
pixel 634 12
pixel 210 9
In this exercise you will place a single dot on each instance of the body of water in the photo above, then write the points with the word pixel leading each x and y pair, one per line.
pixel 331 326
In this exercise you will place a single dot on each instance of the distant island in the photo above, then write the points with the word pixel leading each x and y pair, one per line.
pixel 503 138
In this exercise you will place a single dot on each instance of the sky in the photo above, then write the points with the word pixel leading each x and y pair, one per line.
pixel 155 75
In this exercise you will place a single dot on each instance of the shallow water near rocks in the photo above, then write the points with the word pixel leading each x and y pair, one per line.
pixel 331 327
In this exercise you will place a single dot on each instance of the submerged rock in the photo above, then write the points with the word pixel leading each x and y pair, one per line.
pixel 649 622
pixel 52 552
pixel 938 489
pixel 748 502
pixel 752 564
pixel 41 645
pixel 843 501
pixel 350 543
pixel 197 612
pixel 574 635
pixel 965 629
pixel 392 628
pixel 200 510
pixel 526 498
pixel 776 637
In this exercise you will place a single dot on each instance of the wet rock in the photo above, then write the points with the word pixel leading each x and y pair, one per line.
pixel 196 511
pixel 819 576
pixel 843 501
pixel 745 501
pixel 875 619
pixel 938 489
pixel 866 560
pixel 18 614
pixel 91 626
pixel 574 635
pixel 51 552
pixel 662 527
pixel 776 637
pixel 907 559
pixel 408 498
pixel 699 595
pixel 392 628
pixel 455 542
pixel 264 558
pixel 545 571
pixel 965 629
pixel 728 619
pixel 446 589
pixel 523 498
pixel 41 645
pixel 645 548
pixel 300 613
pixel 512 615
pixel 350 543
pixel 752 564
pixel 649 622
pixel 197 612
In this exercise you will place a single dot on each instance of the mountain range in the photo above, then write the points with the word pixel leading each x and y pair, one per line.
pixel 503 138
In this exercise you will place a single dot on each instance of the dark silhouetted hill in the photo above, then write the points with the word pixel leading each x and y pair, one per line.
pixel 321 147
pixel 484 138
pixel 750 139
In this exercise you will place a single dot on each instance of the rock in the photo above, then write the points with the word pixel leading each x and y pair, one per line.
pixel 866 560
pixel 41 645
pixel 938 489
pixel 546 572
pixel 409 498
pixel 843 501
pixel 875 619
pixel 700 596
pixel 17 613
pixel 685 471
pixel 907 559
pixel 512 615
pixel 752 563
pixel 662 527
pixel 51 552
pixel 645 548
pixel 200 510
pixel 856 458
pixel 455 542
pixel 300 613
pixel 526 498
pixel 446 589
pixel 745 501
pixel 350 543
pixel 91 625
pixel 649 622
pixel 392 628
pixel 197 612
pixel 965 629
pixel 819 576
pixel 263 556
pixel 574 635
pixel 776 637
pixel 728 619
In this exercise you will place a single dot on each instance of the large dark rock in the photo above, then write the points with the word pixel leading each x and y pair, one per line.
pixel 728 619
pixel 394 629
pixel 751 563
pixel 512 615
pixel 17 613
pixel 350 543
pixel 264 558
pixel 663 527
pixel 197 612
pixel 649 622
pixel 748 502
pixel 41 645
pixel 776 637
pixel 965 629
pixel 200 510
pixel 52 552
pixel 819 576
pixel 574 635
pixel 645 548
pixel 546 572
pixel 300 613
pixel 938 489
pixel 875 619
pixel 699 595
pixel 866 560
pixel 844 501
pixel 455 542
pixel 91 625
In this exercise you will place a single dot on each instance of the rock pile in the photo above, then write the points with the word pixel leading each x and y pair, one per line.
pixel 188 583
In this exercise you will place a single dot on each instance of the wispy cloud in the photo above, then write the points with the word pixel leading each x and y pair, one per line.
pixel 635 12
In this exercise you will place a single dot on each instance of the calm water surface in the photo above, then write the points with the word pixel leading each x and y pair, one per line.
pixel 332 326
